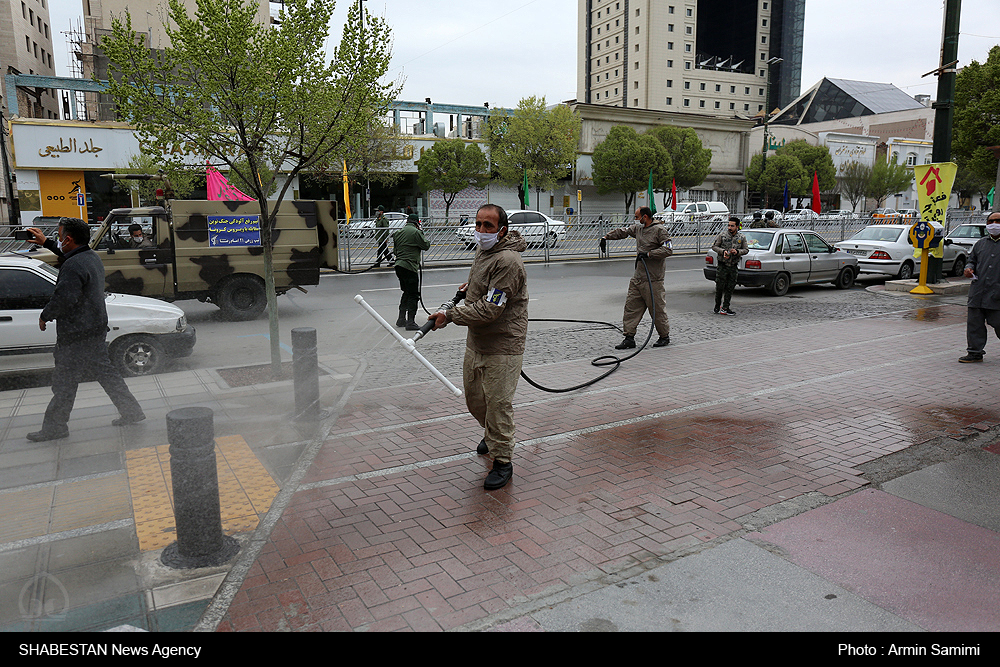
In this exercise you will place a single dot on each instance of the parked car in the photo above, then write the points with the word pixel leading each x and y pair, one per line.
pixel 763 213
pixel 700 217
pixel 884 213
pixel 837 213
pixel 909 215
pixel 801 215
pixel 365 229
pixel 144 332
pixel 886 249
pixel 536 228
pixel 965 236
pixel 779 258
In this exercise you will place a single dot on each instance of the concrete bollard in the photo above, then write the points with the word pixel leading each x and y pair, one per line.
pixel 197 514
pixel 305 362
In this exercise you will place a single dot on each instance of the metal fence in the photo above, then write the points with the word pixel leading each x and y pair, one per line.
pixel 578 237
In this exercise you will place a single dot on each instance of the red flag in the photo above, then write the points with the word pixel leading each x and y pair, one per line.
pixel 815 198
pixel 673 194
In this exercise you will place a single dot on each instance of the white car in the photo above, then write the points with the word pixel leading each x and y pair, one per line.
pixel 886 249
pixel 362 229
pixel 800 215
pixel 144 332
pixel 536 228
pixel 838 213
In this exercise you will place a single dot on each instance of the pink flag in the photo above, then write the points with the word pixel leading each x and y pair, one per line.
pixel 220 189
pixel 815 194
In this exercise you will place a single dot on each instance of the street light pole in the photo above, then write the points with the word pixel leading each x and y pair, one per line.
pixel 767 115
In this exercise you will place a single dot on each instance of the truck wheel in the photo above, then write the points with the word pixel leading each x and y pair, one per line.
pixel 136 355
pixel 241 298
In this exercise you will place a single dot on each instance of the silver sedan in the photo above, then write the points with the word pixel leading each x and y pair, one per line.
pixel 886 249
pixel 779 258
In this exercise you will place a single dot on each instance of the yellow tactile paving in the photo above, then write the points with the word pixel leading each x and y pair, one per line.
pixel 246 490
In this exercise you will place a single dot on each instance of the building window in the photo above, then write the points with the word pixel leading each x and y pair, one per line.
pixel 687 85
pixel 762 74
pixel 687 102
pixel 746 91
pixel 718 88
pixel 702 86
pixel 689 12
pixel 670 26
pixel 701 103
pixel 760 91
pixel 763 56
pixel 687 65
pixel 670 63
pixel 24 11
pixel 636 65
pixel 670 46
pixel 717 105
pixel 763 23
pixel 732 90
pixel 670 101
pixel 763 39
pixel 911 159
pixel 687 48
pixel 732 106
pixel 687 30
pixel 670 10
pixel 636 86
pixel 746 107
pixel 670 83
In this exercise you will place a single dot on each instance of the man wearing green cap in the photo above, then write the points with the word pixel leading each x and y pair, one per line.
pixel 408 242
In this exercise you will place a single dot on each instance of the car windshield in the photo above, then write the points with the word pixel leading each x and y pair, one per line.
pixel 757 240
pixel 878 233
pixel 967 232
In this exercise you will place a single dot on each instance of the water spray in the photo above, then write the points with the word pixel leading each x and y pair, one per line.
pixel 408 344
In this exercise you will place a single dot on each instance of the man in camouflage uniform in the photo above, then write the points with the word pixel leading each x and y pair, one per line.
pixel 645 292
pixel 758 221
pixel 382 236
pixel 729 246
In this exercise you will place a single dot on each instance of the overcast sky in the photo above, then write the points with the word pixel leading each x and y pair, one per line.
pixel 499 52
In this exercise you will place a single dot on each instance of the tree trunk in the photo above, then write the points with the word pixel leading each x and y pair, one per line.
pixel 272 298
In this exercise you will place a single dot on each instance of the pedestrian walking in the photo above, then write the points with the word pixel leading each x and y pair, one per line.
pixel 79 310
pixel 408 242
pixel 496 313
pixel 382 236
pixel 984 292
pixel 729 246
pixel 645 289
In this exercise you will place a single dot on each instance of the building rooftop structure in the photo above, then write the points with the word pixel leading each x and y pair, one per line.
pixel 835 99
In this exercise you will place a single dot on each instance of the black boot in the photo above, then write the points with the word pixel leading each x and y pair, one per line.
pixel 499 476
pixel 626 344
pixel 411 325
pixel 401 321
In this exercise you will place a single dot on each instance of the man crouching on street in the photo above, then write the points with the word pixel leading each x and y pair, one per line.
pixel 496 312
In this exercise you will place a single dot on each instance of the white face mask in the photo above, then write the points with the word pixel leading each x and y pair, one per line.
pixel 486 241
pixel 993 229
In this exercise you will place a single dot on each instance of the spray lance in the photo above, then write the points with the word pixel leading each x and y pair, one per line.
pixel 447 305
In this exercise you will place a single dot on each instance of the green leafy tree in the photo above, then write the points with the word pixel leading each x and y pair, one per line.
pixel 976 124
pixel 888 178
pixel 779 170
pixel 853 183
pixel 452 165
pixel 236 89
pixel 182 180
pixel 542 142
pixel 814 159
pixel 691 162
pixel 622 162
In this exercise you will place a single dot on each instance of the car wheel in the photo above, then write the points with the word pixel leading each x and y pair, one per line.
pixel 551 239
pixel 780 285
pixel 905 271
pixel 136 355
pixel 958 268
pixel 845 280
pixel 241 298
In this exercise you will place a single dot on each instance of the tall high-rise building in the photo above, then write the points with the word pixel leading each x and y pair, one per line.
pixel 726 57
pixel 26 48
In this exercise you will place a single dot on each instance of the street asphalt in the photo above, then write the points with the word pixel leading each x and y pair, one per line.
pixel 816 464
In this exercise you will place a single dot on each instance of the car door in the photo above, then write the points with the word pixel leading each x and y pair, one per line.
pixel 23 294
pixel 143 271
pixel 794 257
pixel 823 263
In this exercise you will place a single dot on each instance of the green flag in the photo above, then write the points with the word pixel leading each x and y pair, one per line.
pixel 649 193
pixel 527 200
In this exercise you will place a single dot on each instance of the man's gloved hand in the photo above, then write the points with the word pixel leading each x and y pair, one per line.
pixel 643 255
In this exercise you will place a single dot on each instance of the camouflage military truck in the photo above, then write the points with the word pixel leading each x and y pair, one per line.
pixel 211 251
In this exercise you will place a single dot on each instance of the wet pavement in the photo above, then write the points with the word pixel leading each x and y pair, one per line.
pixel 835 473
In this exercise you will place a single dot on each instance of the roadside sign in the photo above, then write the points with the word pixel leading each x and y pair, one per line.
pixel 81 199
pixel 921 234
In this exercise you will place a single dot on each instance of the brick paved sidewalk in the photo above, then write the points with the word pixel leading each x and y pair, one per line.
pixel 392 530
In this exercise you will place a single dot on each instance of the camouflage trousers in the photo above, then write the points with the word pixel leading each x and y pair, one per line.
pixel 639 300
pixel 725 283
pixel 489 382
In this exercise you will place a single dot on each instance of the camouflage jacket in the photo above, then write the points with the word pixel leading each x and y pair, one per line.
pixel 726 241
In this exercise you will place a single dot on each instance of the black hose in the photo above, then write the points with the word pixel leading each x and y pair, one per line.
pixel 607 359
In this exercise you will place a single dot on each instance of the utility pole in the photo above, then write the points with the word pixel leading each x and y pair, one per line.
pixel 944 106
